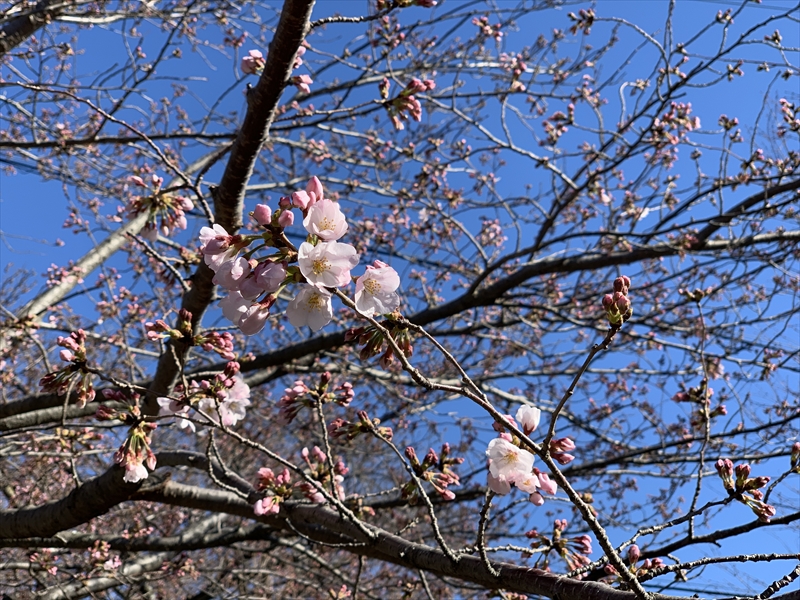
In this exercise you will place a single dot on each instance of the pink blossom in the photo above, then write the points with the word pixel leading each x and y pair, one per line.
pixel 267 506
pixel 536 499
pixel 527 483
pixel 498 485
pixel 170 407
pixel 135 471
pixel 216 246
pixel 253 63
pixel 375 290
pixel 233 410
pixel 546 483
pixel 325 220
pixel 528 417
pixel 328 263
pixel 254 318
pixel 234 306
pixel 312 307
pixel 267 277
pixel 231 273
pixel 302 83
pixel 66 355
pixel 507 460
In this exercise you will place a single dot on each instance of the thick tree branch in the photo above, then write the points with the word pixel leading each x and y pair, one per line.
pixel 262 103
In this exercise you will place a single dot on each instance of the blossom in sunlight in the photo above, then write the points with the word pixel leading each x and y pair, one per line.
pixel 253 63
pixel 234 306
pixel 253 319
pixel 375 290
pixel 528 417
pixel 216 246
pixel 328 263
pixel 508 461
pixel 312 307
pixel 231 273
pixel 135 472
pixel 266 278
pixel 325 220
pixel 233 410
pixel 498 485
pixel 176 409
pixel 302 83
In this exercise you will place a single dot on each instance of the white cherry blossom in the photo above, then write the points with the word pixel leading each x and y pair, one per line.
pixel 508 461
pixel 325 220
pixel 528 417
pixel 327 264
pixel 312 307
pixel 375 290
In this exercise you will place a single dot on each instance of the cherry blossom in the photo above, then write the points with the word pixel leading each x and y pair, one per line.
pixel 231 273
pixel 328 263
pixel 508 461
pixel 498 485
pixel 234 306
pixel 325 220
pixel 253 319
pixel 135 472
pixel 375 290
pixel 267 278
pixel 528 417
pixel 253 63
pixel 171 407
pixel 312 307
pixel 216 246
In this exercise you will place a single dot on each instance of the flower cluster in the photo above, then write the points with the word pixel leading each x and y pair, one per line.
pixel 75 375
pixel 511 464
pixel 226 396
pixel 633 556
pixel 485 30
pixel 322 476
pixel 278 488
pixel 574 551
pixel 166 212
pixel 339 428
pixel 373 341
pixel 300 396
pixel 135 452
pixel 406 104
pixel 700 396
pixel 211 341
pixel 514 64
pixel 435 469
pixel 747 490
pixel 255 61
pixel 323 263
pixel 618 305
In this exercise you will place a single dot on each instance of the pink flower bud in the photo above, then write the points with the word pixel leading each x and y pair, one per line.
pixel 262 214
pixel 66 355
pixel 634 554
pixel 286 218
